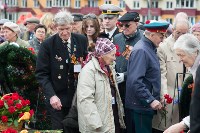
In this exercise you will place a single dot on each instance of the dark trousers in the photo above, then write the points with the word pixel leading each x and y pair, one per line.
pixel 57 117
pixel 142 122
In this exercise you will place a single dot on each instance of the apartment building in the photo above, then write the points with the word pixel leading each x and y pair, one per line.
pixel 148 9
pixel 165 9
pixel 12 9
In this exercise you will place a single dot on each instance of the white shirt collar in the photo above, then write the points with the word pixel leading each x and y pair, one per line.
pixel 111 32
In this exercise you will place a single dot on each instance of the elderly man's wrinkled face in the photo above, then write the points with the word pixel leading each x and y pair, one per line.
pixel 64 31
pixel 31 26
pixel 129 28
pixel 157 38
pixel 181 28
pixel 76 27
pixel 186 58
pixel 109 57
pixel 9 34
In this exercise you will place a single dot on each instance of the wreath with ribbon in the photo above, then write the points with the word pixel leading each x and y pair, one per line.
pixel 17 74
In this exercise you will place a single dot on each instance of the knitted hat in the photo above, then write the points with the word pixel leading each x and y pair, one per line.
pixel 103 46
pixel 12 26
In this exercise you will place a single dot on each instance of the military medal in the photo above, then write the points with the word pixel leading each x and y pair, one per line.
pixel 73 59
pixel 61 66
pixel 59 76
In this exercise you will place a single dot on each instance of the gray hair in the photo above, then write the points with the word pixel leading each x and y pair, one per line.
pixel 63 17
pixel 181 15
pixel 182 22
pixel 188 43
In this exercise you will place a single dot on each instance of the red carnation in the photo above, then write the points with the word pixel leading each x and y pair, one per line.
pixel 32 50
pixel 1 104
pixel 117 47
pixel 147 22
pixel 11 109
pixel 4 119
pixel 169 100
pixel 166 96
pixel 28 102
pixel 18 106
pixel 15 96
pixel 10 102
pixel 31 112
pixel 23 102
pixel 20 115
pixel 118 53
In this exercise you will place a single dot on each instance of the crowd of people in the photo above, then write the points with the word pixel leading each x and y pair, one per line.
pixel 110 71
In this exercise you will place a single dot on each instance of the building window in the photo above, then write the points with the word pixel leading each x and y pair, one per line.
pixel 192 20
pixel 169 20
pixel 144 18
pixel 49 3
pixel 136 4
pixel 61 3
pixel 92 3
pixel 77 4
pixel 169 5
pixel 122 4
pixel 185 3
pixel 155 17
pixel 107 2
pixel 12 16
pixel 11 3
pixel 36 3
pixel 24 3
pixel 154 4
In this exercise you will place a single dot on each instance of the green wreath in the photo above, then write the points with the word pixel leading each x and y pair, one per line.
pixel 17 68
pixel 17 74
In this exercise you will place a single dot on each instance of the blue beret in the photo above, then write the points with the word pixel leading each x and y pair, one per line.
pixel 130 16
pixel 156 26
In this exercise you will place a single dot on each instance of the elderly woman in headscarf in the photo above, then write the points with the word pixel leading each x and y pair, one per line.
pixel 11 34
pixel 187 48
pixel 100 108
pixel 196 30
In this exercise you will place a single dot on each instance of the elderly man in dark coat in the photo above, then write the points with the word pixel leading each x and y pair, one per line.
pixel 59 58
pixel 144 77
pixel 126 40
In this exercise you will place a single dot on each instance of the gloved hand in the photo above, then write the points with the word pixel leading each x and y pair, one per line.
pixel 120 77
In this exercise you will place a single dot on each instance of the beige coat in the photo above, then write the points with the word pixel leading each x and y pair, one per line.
pixel 170 66
pixel 94 100
pixel 19 41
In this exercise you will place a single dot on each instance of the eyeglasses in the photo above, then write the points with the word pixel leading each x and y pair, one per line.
pixel 90 15
pixel 124 25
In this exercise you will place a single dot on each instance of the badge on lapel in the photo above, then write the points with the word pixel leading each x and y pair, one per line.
pixel 58 58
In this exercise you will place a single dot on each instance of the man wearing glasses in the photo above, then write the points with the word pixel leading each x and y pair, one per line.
pixel 110 15
pixel 170 66
pixel 143 78
pixel 126 40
